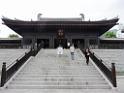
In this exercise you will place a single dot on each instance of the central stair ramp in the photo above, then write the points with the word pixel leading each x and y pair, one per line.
pixel 47 70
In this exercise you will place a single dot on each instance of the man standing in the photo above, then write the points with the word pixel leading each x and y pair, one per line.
pixel 72 51
pixel 87 54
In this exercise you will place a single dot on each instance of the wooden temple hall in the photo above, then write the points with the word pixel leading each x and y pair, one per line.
pixel 50 32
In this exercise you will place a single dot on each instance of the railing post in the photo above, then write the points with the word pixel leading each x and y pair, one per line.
pixel 114 75
pixel 3 74
pixel 25 53
pixel 32 52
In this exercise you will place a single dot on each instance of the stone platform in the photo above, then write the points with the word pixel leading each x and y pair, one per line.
pixel 10 55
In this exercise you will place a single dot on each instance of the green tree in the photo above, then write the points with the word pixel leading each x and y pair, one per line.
pixel 13 36
pixel 110 35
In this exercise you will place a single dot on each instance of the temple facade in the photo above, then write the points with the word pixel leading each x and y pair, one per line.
pixel 50 32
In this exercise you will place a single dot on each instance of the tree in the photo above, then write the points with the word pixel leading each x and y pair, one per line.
pixel 110 35
pixel 13 36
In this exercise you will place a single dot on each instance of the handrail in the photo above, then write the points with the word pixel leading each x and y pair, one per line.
pixel 109 72
pixel 105 63
pixel 10 65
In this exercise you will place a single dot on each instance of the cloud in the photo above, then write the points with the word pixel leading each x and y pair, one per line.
pixel 93 9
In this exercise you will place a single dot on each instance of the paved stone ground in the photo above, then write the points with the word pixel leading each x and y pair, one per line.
pixel 10 55
pixel 112 56
pixel 116 56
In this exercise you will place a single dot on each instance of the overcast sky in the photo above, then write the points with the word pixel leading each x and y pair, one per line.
pixel 28 9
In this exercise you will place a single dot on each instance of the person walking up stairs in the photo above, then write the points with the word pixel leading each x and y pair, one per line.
pixel 72 49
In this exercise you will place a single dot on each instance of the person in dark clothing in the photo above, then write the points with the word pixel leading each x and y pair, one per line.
pixel 87 54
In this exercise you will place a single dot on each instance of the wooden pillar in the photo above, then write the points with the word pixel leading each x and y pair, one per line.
pixel 51 42
pixel 98 42
pixel 23 42
pixel 86 42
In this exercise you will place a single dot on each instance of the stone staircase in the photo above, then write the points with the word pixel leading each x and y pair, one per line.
pixel 49 71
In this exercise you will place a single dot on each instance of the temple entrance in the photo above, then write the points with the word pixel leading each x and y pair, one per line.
pixel 78 43
pixel 62 42
pixel 43 42
pixel 93 43
pixel 60 39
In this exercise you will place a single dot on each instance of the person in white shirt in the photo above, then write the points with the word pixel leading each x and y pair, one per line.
pixel 68 44
pixel 60 50
pixel 72 49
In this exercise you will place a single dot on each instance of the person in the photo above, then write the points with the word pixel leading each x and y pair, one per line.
pixel 87 54
pixel 68 44
pixel 72 49
pixel 60 50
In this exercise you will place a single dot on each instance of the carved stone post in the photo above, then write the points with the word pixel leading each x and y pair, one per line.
pixel 114 75
pixel 3 75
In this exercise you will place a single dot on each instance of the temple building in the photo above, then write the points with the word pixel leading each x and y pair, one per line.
pixel 50 32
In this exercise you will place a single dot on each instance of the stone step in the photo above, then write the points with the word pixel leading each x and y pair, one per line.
pixel 54 82
pixel 57 76
pixel 58 79
pixel 14 86
pixel 61 67
pixel 59 72
pixel 54 62
pixel 57 64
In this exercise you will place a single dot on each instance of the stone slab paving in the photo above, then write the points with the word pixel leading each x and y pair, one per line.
pixel 120 83
pixel 112 56
pixel 116 56
pixel 10 55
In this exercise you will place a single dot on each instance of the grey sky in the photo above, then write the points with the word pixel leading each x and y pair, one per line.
pixel 28 9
